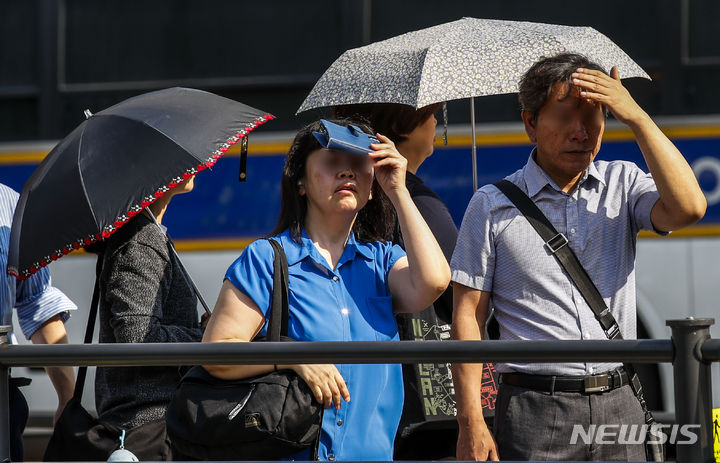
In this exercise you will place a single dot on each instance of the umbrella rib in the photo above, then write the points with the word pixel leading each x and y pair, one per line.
pixel 82 178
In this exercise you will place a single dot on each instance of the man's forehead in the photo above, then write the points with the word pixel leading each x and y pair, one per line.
pixel 567 95
pixel 564 91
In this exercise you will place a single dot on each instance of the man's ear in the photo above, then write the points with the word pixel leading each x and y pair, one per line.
pixel 529 122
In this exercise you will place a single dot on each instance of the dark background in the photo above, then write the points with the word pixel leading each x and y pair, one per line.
pixel 59 57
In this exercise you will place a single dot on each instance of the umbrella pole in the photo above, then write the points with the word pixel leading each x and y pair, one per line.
pixel 474 147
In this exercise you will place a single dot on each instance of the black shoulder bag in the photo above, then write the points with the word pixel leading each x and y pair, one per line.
pixel 557 244
pixel 265 417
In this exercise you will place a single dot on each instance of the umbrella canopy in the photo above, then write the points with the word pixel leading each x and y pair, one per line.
pixel 460 59
pixel 116 163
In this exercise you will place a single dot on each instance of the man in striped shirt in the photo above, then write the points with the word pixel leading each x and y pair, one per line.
pixel 41 313
pixel 501 261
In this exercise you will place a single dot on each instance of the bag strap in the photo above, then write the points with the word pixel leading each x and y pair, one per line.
pixel 557 244
pixel 92 318
pixel 279 311
pixel 280 315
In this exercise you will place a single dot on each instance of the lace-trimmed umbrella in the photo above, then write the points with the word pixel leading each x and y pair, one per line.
pixel 118 162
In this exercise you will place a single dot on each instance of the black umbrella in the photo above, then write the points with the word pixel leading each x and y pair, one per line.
pixel 116 163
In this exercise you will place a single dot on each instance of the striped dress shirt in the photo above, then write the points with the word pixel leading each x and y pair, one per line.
pixel 498 251
pixel 35 299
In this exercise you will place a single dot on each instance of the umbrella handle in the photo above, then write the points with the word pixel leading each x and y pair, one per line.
pixel 187 276
pixel 474 145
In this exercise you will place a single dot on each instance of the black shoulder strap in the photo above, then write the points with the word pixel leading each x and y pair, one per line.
pixel 92 318
pixel 279 311
pixel 556 243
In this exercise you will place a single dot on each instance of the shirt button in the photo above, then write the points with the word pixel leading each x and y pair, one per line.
pixel 335 278
pixel 331 457
pixel 340 422
pixel 572 230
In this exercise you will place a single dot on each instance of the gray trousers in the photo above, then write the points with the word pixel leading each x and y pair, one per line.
pixel 536 425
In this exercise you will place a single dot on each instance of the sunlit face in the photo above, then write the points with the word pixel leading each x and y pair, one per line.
pixel 337 181
pixel 422 138
pixel 568 132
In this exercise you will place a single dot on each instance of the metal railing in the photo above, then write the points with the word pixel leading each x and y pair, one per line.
pixel 690 350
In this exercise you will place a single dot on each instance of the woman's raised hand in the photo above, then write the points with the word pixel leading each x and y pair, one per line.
pixel 389 165
pixel 325 382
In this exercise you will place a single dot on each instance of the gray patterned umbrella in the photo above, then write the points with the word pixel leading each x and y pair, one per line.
pixel 460 59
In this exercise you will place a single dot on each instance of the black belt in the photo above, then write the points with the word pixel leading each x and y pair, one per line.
pixel 587 384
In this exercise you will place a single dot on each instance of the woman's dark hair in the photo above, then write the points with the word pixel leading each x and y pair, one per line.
pixel 537 83
pixel 374 222
pixel 393 120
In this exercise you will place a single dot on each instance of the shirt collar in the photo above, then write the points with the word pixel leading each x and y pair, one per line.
pixel 536 178
pixel 296 252
pixel 592 171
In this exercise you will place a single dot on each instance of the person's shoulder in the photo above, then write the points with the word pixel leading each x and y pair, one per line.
pixel 7 192
pixel 137 235
pixel 618 171
pixel 8 196
pixel 257 258
pixel 372 246
pixel 261 251
pixel 262 246
pixel 376 250
pixel 490 196
pixel 618 165
pixel 417 187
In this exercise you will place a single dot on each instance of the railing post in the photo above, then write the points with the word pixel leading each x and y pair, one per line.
pixel 693 399
pixel 4 401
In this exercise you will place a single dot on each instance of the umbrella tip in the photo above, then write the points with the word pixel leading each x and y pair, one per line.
pixel 87 113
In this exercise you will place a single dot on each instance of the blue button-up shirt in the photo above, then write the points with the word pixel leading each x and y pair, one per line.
pixel 35 300
pixel 349 303
pixel 499 251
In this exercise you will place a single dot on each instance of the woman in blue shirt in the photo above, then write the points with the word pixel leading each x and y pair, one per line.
pixel 346 283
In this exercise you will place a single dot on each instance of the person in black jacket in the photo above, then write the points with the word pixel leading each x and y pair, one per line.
pixel 413 132
pixel 145 297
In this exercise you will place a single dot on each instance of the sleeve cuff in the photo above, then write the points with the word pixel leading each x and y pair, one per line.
pixel 471 281
pixel 52 301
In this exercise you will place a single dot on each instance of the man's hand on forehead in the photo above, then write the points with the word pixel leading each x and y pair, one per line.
pixel 598 87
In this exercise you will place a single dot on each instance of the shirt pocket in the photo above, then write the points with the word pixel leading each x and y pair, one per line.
pixel 383 318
